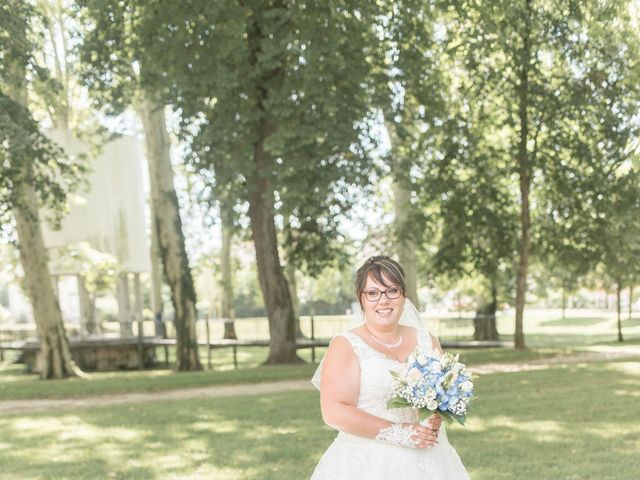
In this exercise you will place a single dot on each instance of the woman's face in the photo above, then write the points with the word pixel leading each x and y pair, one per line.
pixel 384 311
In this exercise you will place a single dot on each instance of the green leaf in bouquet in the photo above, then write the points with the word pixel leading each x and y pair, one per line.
pixel 396 402
pixel 450 417
pixel 446 416
pixel 423 414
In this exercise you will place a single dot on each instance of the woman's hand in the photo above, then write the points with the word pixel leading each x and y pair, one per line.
pixel 424 436
pixel 434 421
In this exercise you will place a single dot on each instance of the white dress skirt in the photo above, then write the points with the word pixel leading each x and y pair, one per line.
pixel 350 457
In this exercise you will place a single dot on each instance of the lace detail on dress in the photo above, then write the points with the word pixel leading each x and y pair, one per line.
pixel 361 349
pixel 397 434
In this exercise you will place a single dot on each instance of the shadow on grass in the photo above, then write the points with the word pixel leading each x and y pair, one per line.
pixel 561 423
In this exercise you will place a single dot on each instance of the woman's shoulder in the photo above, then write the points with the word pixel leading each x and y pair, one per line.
pixel 350 341
pixel 343 346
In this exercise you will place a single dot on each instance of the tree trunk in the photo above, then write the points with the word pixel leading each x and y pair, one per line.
pixel 619 309
pixel 157 305
pixel 226 281
pixel 564 303
pixel 54 347
pixel 524 173
pixel 484 323
pixel 405 245
pixel 290 275
pixel 55 354
pixel 169 234
pixel 275 291
pixel 273 284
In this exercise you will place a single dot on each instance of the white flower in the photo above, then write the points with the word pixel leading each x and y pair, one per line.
pixel 432 404
pixel 458 408
pixel 422 359
pixel 414 375
pixel 466 386
pixel 436 367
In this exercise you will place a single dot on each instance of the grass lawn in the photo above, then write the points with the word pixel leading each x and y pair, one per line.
pixel 16 385
pixel 558 424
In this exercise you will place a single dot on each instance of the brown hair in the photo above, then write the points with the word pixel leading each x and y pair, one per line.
pixel 378 266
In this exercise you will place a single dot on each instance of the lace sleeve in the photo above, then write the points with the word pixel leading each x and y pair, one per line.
pixel 397 434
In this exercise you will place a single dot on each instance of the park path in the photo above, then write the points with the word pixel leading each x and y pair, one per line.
pixel 43 405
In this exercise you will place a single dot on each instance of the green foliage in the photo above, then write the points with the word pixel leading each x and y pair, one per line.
pixel 107 53
pixel 398 403
pixel 99 270
pixel 444 148
pixel 27 156
pixel 287 79
pixel 333 287
pixel 619 242
pixel 559 77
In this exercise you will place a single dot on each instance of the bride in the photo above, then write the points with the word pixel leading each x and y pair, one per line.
pixel 355 383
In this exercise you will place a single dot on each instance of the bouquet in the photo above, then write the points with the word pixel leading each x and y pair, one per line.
pixel 433 383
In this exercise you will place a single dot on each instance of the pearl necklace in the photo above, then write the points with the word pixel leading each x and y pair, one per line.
pixel 395 344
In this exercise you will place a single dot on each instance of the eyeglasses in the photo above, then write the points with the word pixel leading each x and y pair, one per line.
pixel 375 295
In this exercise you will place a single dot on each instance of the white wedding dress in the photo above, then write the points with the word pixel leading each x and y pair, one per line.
pixel 351 457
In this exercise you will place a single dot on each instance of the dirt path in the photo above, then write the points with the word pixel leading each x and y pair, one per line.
pixel 31 406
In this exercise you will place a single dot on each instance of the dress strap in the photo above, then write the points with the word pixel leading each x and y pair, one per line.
pixel 360 348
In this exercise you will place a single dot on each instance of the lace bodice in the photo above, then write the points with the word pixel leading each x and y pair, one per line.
pixel 376 382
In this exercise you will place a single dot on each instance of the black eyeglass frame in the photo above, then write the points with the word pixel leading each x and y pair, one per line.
pixel 382 292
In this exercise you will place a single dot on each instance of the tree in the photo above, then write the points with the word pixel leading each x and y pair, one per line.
pixel 470 219
pixel 115 71
pixel 274 93
pixel 619 241
pixel 461 215
pixel 410 91
pixel 542 63
pixel 34 171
